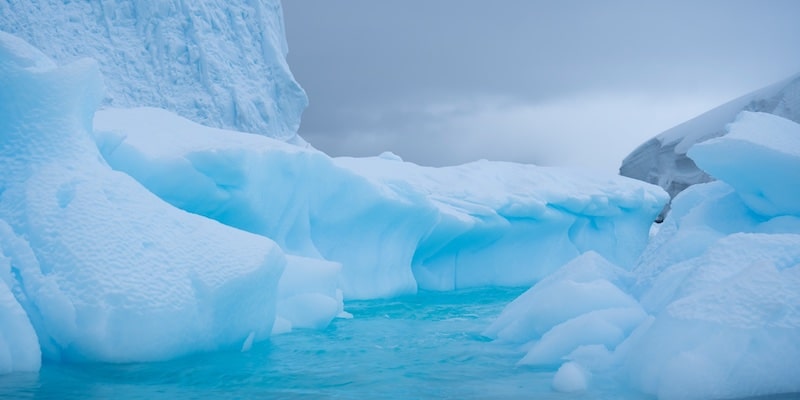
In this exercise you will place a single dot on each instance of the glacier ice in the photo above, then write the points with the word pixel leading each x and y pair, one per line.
pixel 713 303
pixel 104 269
pixel 218 62
pixel 663 160
pixel 393 225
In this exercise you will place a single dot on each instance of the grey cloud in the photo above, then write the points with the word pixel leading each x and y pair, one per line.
pixel 374 69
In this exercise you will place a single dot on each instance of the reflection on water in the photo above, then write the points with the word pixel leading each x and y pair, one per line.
pixel 424 346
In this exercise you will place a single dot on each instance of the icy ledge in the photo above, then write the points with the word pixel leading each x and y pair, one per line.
pixel 394 226
pixel 711 309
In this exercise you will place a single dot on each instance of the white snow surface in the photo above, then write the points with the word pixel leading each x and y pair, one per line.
pixel 218 62
pixel 711 308
pixel 663 161
pixel 103 269
pixel 394 226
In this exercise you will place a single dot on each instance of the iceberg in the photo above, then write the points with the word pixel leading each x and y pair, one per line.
pixel 712 307
pixel 663 160
pixel 104 269
pixel 394 226
pixel 218 62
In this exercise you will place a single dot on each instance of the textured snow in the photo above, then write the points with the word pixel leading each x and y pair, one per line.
pixel 663 161
pixel 221 63
pixel 104 269
pixel 394 226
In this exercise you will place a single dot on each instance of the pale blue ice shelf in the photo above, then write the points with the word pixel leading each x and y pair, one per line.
pixel 427 346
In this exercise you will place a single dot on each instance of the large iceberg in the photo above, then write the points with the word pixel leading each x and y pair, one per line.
pixel 103 269
pixel 218 62
pixel 712 307
pixel 663 161
pixel 393 225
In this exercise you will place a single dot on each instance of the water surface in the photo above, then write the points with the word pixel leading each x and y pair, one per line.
pixel 416 347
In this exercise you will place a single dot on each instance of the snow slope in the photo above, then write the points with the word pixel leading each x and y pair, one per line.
pixel 392 225
pixel 663 161
pixel 221 63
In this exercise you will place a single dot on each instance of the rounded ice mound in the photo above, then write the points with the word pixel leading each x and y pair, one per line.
pixel 580 304
pixel 104 269
pixel 571 377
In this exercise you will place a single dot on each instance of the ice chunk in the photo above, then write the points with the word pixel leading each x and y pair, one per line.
pixel 104 269
pixel 219 62
pixel 729 328
pixel 571 377
pixel 19 346
pixel 760 158
pixel 308 293
pixel 580 304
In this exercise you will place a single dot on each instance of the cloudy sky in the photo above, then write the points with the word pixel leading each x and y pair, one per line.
pixel 568 83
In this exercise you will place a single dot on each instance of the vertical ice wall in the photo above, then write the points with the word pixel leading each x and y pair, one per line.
pixel 217 62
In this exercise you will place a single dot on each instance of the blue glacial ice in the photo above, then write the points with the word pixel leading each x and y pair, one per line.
pixel 152 232
pixel 393 225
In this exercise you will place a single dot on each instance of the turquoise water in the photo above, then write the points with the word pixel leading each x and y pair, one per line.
pixel 423 346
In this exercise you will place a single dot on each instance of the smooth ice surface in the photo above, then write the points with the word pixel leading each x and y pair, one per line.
pixel 580 304
pixel 104 269
pixel 766 173
pixel 663 160
pixel 219 62
pixel 392 225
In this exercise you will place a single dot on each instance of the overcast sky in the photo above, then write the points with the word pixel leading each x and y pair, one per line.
pixel 568 83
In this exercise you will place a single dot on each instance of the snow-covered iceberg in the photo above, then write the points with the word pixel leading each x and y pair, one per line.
pixel 103 269
pixel 663 160
pixel 218 62
pixel 392 225
pixel 712 307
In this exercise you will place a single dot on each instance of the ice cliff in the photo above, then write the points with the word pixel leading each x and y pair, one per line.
pixel 98 268
pixel 663 161
pixel 221 63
